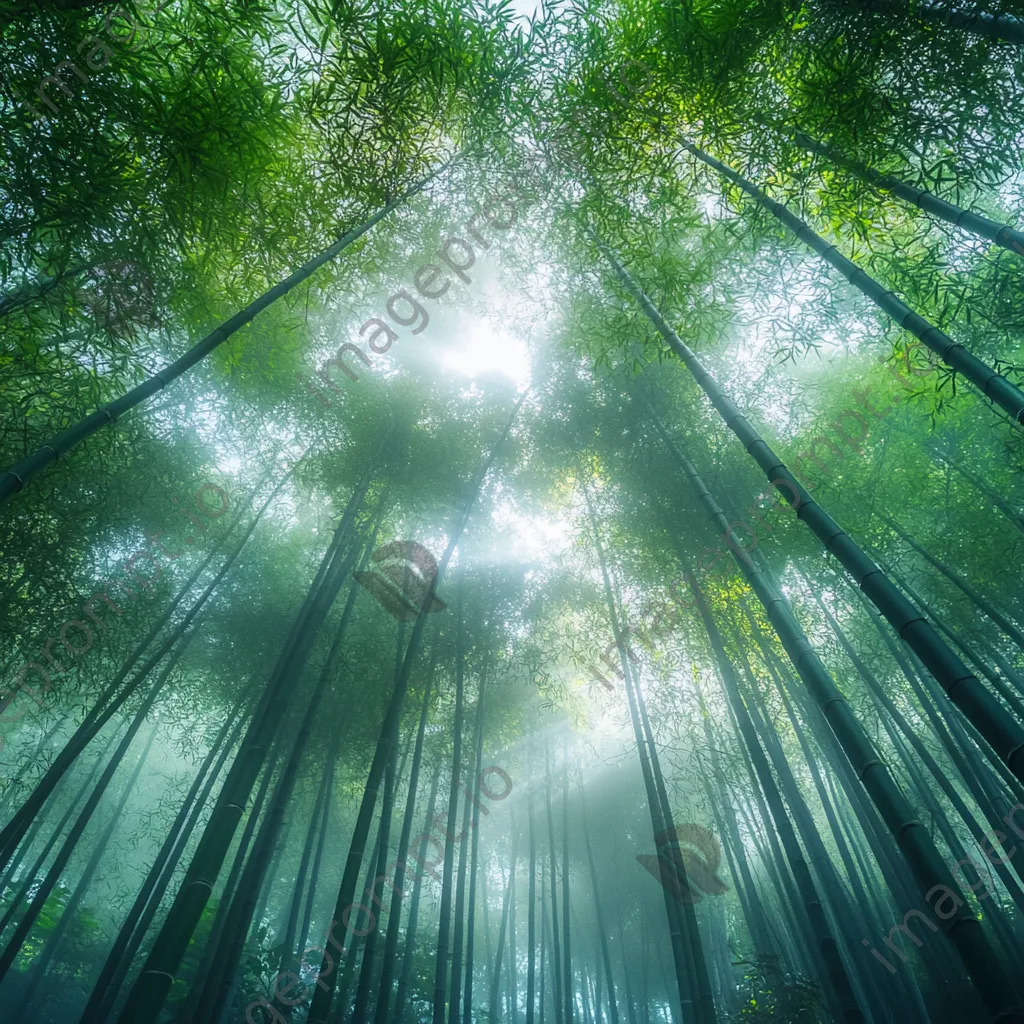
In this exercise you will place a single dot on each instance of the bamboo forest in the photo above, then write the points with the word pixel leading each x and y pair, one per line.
pixel 511 511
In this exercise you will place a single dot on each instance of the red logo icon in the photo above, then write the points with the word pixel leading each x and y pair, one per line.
pixel 403 581
pixel 698 872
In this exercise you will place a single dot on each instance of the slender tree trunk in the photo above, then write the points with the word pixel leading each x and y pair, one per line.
pixel 299 890
pixel 513 958
pixel 485 907
pixel 355 941
pixel 441 965
pixel 703 995
pixel 362 1004
pixel 797 928
pixel 839 979
pixel 405 978
pixel 1000 502
pixel 937 713
pixel 133 928
pixel 314 874
pixel 960 583
pixel 151 987
pixel 556 974
pixel 322 997
pixel 902 884
pixel 772 858
pixel 458 936
pixel 724 814
pixel 544 932
pixel 29 881
pixel 467 996
pixel 862 904
pixel 1011 698
pixel 244 903
pixel 683 939
pixel 114 695
pixel 602 931
pixel 531 903
pixel 398 882
pixel 46 887
pixel 206 962
pixel 566 958
pixel 503 929
pixel 990 383
pixel 940 777
pixel 1005 734
pixel 67 916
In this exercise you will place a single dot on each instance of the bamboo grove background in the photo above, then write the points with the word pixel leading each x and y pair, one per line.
pixel 714 438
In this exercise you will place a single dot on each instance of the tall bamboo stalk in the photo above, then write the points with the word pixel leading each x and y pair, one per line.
pixel 389 961
pixel 503 930
pixel 1001 234
pixel 959 582
pixel 922 857
pixel 153 984
pixel 441 954
pixel 566 958
pixel 556 952
pixel 222 976
pixel 1000 729
pixel 134 926
pixel 531 905
pixel 467 994
pixel 99 848
pixel 115 694
pixel 687 953
pixel 13 479
pixel 405 977
pixel 991 383
pixel 47 885
pixel 828 948
pixel 601 929
pixel 29 879
pixel 322 997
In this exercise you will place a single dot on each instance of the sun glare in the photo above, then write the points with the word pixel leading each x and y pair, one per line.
pixel 487 350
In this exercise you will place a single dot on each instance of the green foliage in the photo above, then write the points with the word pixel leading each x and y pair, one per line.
pixel 230 141
pixel 770 996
